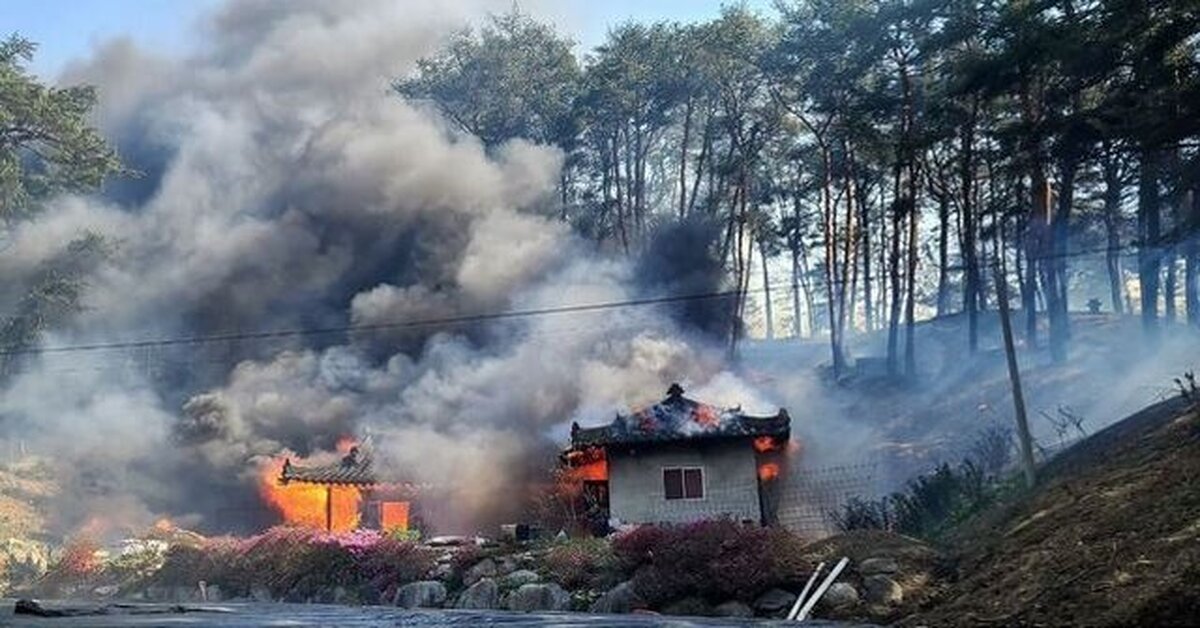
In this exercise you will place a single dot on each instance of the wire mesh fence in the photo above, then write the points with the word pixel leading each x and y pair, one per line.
pixel 806 500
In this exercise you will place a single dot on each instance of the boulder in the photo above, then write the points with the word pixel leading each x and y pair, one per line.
pixel 688 607
pixel 539 597
pixel 775 602
pixel 733 608
pixel 876 566
pixel 485 568
pixel 260 593
pixel 882 590
pixel 840 595
pixel 440 571
pixel 507 565
pixel 617 600
pixel 107 590
pixel 423 594
pixel 519 578
pixel 483 595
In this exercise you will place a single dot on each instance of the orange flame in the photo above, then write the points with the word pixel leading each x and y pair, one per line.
pixel 768 471
pixel 587 465
pixel 306 505
pixel 706 416
pixel 345 444
pixel 763 444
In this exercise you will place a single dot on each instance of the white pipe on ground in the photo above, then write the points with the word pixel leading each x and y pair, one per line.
pixel 812 601
pixel 803 594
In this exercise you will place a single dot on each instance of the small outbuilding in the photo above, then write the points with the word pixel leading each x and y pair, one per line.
pixel 351 485
pixel 678 461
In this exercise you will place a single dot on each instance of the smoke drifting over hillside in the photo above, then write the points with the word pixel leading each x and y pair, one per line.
pixel 282 186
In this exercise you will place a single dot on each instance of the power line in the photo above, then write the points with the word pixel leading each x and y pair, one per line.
pixel 467 319
pixel 389 326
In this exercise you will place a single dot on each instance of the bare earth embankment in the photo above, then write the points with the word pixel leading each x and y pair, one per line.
pixel 1110 537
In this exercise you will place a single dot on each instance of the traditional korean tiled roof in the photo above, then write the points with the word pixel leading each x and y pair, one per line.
pixel 677 419
pixel 354 469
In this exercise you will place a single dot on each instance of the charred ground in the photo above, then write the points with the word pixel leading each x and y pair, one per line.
pixel 1108 538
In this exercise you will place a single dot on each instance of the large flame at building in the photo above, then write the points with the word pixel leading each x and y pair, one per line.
pixel 309 505
pixel 769 465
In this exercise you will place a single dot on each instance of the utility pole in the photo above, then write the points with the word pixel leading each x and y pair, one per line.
pixel 1014 376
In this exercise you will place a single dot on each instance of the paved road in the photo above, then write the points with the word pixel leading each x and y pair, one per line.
pixel 246 615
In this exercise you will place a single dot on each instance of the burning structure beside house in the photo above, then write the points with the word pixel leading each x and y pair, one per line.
pixel 679 460
pixel 341 497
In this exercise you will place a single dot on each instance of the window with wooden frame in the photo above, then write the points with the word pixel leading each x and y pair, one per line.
pixel 683 483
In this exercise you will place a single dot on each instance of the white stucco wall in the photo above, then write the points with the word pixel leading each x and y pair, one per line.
pixel 730 483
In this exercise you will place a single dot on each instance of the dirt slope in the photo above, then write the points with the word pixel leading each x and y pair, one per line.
pixel 1111 537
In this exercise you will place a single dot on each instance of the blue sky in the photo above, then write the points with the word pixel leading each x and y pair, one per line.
pixel 67 29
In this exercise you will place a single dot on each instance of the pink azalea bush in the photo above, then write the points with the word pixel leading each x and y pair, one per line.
pixel 296 563
pixel 78 563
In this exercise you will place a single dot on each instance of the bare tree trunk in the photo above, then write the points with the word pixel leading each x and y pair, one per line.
pixel 1191 298
pixel 1191 252
pixel 831 259
pixel 705 151
pixel 970 255
pixel 563 185
pixel 1170 285
pixel 795 242
pixel 766 276
pixel 894 274
pixel 865 222
pixel 1034 244
pixel 683 154
pixel 1060 325
pixel 943 289
pixel 910 346
pixel 616 179
pixel 810 298
pixel 639 182
pixel 1171 251
pixel 849 255
pixel 1024 438
pixel 1112 228
pixel 1149 232
pixel 796 326
pixel 736 234
pixel 883 276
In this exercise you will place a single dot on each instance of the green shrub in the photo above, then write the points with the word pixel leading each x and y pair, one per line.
pixel 929 505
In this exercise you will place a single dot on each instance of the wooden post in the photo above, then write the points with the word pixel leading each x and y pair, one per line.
pixel 328 508
pixel 1014 376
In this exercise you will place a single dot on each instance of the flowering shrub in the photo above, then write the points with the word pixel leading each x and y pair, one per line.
pixel 81 560
pixel 582 563
pixel 300 563
pixel 131 566
pixel 716 560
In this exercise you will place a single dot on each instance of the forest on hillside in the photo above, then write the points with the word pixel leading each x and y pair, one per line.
pixel 897 157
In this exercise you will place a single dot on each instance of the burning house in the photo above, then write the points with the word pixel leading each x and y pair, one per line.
pixel 680 460
pixel 342 496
